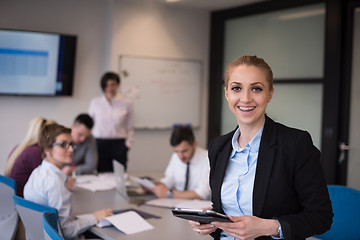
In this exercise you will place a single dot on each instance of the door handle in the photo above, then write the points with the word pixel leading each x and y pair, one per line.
pixel 343 147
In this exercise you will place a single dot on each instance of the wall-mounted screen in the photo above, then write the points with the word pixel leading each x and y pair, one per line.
pixel 36 63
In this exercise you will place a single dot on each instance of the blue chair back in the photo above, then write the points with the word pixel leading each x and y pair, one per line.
pixel 346 207
pixel 9 217
pixel 50 225
pixel 31 216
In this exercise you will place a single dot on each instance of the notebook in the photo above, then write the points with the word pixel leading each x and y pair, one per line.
pixel 120 183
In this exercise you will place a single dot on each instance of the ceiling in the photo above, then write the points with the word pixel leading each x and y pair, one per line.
pixel 209 4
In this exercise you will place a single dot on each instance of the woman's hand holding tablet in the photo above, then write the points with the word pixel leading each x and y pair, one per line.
pixel 201 216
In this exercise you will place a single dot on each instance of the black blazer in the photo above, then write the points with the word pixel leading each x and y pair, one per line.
pixel 289 180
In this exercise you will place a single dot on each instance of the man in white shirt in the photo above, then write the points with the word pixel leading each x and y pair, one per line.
pixel 187 175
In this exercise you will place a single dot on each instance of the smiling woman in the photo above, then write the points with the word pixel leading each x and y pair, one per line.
pixel 265 176
pixel 47 184
pixel 113 123
pixel 248 91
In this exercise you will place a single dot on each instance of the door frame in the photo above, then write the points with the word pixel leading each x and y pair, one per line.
pixel 344 129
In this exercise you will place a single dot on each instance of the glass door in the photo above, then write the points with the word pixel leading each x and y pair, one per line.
pixel 292 42
pixel 353 168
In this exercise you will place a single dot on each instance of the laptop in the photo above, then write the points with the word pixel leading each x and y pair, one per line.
pixel 120 182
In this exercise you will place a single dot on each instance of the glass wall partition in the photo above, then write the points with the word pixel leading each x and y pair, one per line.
pixel 353 177
pixel 292 42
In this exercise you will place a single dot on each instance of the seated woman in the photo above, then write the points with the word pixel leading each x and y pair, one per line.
pixel 26 156
pixel 47 183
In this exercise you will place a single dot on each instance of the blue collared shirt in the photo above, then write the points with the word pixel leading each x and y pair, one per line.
pixel 238 185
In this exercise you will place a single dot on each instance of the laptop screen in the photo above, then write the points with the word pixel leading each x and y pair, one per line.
pixel 119 172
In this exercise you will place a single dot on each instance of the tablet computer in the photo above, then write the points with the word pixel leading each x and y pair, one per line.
pixel 202 216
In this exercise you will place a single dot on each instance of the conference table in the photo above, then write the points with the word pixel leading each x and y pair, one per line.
pixel 165 227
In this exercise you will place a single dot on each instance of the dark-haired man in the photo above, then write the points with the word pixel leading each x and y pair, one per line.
pixel 187 174
pixel 85 155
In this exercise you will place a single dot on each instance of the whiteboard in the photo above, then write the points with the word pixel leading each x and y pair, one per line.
pixel 164 91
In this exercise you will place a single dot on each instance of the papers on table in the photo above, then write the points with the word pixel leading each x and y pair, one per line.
pixel 80 179
pixel 143 182
pixel 180 203
pixel 106 181
pixel 128 222
pixel 94 183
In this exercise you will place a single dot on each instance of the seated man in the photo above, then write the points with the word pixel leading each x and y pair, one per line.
pixel 85 155
pixel 187 175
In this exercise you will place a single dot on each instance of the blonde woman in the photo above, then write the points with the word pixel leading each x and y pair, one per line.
pixel 26 156
pixel 265 176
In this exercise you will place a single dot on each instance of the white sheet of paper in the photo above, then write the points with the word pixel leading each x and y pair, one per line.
pixel 103 223
pixel 143 182
pixel 146 183
pixel 128 222
pixel 95 183
pixel 85 178
pixel 165 202
pixel 95 186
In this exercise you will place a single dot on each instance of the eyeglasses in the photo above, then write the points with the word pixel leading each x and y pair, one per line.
pixel 64 145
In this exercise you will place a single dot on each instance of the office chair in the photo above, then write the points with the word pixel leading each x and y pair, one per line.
pixel 50 225
pixel 31 216
pixel 9 217
pixel 346 207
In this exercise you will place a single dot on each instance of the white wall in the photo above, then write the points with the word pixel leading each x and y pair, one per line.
pixel 105 30
pixel 146 28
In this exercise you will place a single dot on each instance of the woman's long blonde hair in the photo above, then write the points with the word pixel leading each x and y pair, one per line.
pixel 32 137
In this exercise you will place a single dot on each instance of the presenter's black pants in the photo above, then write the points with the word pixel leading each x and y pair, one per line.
pixel 108 150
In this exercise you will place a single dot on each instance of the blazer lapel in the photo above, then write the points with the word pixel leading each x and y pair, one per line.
pixel 265 161
pixel 221 164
